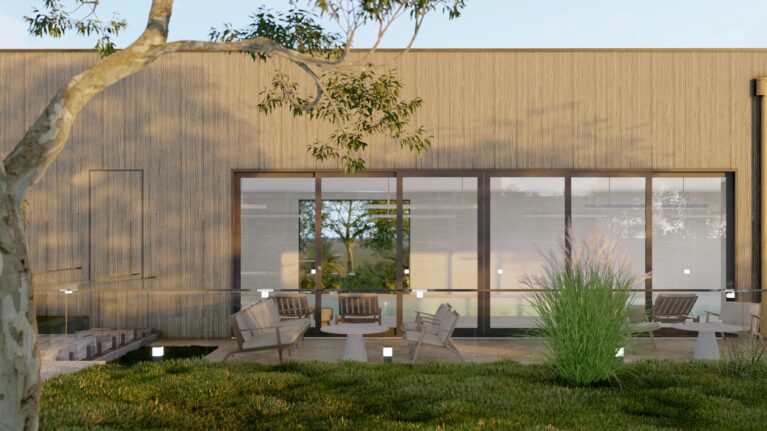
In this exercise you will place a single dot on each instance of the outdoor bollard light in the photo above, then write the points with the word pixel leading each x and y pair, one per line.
pixel 419 293
pixel 66 293
pixel 620 354
pixel 388 353
pixel 313 271
pixel 158 352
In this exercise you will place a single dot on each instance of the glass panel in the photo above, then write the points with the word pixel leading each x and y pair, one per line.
pixel 443 232
pixel 358 233
pixel 615 207
pixel 387 302
pixel 527 216
pixel 277 249
pixel 511 310
pixel 689 237
pixel 465 303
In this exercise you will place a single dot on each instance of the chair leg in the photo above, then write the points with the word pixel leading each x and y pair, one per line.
pixel 455 350
pixel 232 353
pixel 652 338
pixel 415 353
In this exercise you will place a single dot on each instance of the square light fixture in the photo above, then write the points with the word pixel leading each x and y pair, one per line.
pixel 407 271
pixel 313 271
pixel 388 353
pixel 499 271
pixel 419 293
pixel 265 293
pixel 686 271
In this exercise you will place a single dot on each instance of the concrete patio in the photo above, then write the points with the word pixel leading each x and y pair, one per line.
pixel 523 350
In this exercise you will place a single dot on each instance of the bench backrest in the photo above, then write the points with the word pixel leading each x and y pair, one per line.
pixel 358 305
pixel 673 307
pixel 292 305
pixel 447 326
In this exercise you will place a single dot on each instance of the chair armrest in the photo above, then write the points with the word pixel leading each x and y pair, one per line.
pixel 711 313
pixel 421 313
pixel 429 321
pixel 259 329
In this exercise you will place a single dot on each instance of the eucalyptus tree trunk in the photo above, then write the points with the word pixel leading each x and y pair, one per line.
pixel 20 382
pixel 19 357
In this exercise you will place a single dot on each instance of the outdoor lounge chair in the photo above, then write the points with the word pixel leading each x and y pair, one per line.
pixel 438 336
pixel 668 308
pixel 421 318
pixel 755 330
pixel 358 309
pixel 258 327
pixel 639 323
pixel 736 313
pixel 673 308
pixel 293 305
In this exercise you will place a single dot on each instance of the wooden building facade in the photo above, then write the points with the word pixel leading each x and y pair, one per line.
pixel 137 212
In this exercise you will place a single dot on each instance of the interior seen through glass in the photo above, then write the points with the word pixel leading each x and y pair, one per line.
pixel 440 244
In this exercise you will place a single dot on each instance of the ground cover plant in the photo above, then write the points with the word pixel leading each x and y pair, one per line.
pixel 196 395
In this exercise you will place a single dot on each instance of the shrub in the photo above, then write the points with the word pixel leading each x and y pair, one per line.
pixel 583 305
pixel 746 357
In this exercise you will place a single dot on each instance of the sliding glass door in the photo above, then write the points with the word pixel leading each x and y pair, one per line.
pixel 418 239
pixel 527 219
pixel 441 264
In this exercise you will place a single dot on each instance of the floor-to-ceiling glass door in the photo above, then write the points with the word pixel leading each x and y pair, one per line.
pixel 416 239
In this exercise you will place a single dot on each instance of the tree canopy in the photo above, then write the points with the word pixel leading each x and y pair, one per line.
pixel 359 98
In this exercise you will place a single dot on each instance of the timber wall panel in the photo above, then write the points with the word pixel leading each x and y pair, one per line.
pixel 190 119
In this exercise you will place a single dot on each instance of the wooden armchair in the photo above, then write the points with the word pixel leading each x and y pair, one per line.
pixel 737 313
pixel 422 318
pixel 358 308
pixel 438 336
pixel 258 327
pixel 293 306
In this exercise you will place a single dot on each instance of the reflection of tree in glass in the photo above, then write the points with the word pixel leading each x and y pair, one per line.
pixel 331 264
pixel 353 224
pixel 673 209
pixel 350 222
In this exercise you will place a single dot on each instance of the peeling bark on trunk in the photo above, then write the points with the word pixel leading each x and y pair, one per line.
pixel 19 357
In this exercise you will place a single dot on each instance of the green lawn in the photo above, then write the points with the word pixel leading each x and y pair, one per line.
pixel 192 395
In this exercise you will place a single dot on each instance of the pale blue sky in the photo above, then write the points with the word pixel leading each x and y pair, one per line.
pixel 485 24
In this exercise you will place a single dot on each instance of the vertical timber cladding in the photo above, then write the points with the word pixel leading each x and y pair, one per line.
pixel 115 247
pixel 188 120
pixel 115 213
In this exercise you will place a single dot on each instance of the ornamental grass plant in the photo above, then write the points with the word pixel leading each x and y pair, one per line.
pixel 582 299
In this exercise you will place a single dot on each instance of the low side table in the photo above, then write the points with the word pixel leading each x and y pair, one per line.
pixel 706 346
pixel 354 346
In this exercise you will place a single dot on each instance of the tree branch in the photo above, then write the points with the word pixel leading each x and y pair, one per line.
pixel 256 44
pixel 46 138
